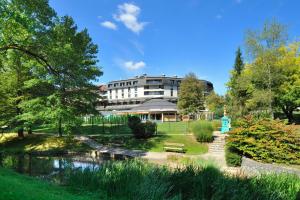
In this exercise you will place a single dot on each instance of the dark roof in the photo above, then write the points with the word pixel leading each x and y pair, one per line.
pixel 156 105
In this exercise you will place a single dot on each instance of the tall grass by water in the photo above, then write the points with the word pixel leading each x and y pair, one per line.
pixel 134 179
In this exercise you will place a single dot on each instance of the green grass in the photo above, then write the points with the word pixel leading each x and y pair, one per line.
pixel 154 144
pixel 89 129
pixel 162 128
pixel 9 142
pixel 140 180
pixel 173 128
pixel 203 130
pixel 14 186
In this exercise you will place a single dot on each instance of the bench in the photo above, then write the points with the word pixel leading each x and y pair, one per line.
pixel 174 147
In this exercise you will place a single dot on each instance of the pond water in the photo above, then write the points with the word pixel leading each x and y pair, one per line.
pixel 51 168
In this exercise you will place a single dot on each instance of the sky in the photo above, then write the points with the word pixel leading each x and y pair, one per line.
pixel 174 37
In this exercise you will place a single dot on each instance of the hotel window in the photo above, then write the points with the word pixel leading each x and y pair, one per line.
pixel 134 82
pixel 128 83
pixel 154 81
pixel 116 84
pixel 122 93
pixel 154 93
pixel 135 91
pixel 129 95
pixel 172 82
pixel 161 87
pixel 116 93
pixel 171 92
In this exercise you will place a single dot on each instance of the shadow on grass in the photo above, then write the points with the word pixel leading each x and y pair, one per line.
pixel 130 142
pixel 31 143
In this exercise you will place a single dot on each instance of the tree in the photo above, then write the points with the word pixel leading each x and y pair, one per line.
pixel 215 103
pixel 239 63
pixel 73 56
pixel 237 90
pixel 287 96
pixel 263 47
pixel 191 95
pixel 23 25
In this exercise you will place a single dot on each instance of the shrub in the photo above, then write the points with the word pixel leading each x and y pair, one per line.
pixel 139 129
pixel 133 121
pixel 203 131
pixel 266 140
pixel 233 159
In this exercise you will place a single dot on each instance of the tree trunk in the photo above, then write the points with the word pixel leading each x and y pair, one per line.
pixel 289 114
pixel 29 130
pixel 59 127
pixel 21 132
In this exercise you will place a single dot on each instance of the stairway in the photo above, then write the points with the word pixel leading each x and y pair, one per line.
pixel 217 147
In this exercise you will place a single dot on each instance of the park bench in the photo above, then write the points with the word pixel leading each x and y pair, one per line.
pixel 175 147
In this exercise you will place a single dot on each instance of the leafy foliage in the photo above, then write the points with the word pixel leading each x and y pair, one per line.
pixel 270 81
pixel 215 103
pixel 139 129
pixel 203 130
pixel 191 95
pixel 265 140
pixel 233 159
pixel 141 180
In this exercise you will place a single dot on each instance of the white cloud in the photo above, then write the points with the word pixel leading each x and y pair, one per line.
pixel 110 25
pixel 128 14
pixel 130 65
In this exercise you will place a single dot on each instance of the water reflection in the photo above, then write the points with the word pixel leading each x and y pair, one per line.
pixel 50 168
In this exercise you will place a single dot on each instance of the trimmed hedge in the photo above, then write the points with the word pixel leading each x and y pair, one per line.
pixel 203 130
pixel 266 140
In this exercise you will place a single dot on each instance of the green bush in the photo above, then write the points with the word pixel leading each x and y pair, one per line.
pixel 133 121
pixel 139 129
pixel 266 140
pixel 203 130
pixel 233 159
pixel 134 179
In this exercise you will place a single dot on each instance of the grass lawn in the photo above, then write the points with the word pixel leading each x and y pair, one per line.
pixel 9 142
pixel 14 186
pixel 173 128
pixel 162 128
pixel 154 144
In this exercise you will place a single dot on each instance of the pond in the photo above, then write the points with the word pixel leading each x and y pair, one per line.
pixel 52 168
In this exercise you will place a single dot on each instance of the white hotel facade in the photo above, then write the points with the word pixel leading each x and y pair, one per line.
pixel 144 95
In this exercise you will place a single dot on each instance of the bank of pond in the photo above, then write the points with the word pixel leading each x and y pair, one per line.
pixel 85 177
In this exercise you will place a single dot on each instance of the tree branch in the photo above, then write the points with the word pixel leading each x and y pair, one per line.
pixel 38 57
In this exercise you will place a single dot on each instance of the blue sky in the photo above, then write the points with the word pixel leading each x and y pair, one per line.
pixel 174 37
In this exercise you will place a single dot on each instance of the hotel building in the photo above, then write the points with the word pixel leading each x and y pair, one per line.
pixel 151 96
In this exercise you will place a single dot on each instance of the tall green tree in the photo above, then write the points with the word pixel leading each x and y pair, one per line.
pixel 262 47
pixel 191 95
pixel 23 26
pixel 73 56
pixel 237 90
pixel 287 96
pixel 215 103
pixel 239 62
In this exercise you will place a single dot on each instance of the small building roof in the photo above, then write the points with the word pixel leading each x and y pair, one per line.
pixel 155 105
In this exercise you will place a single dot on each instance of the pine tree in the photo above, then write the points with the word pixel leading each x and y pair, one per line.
pixel 239 63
